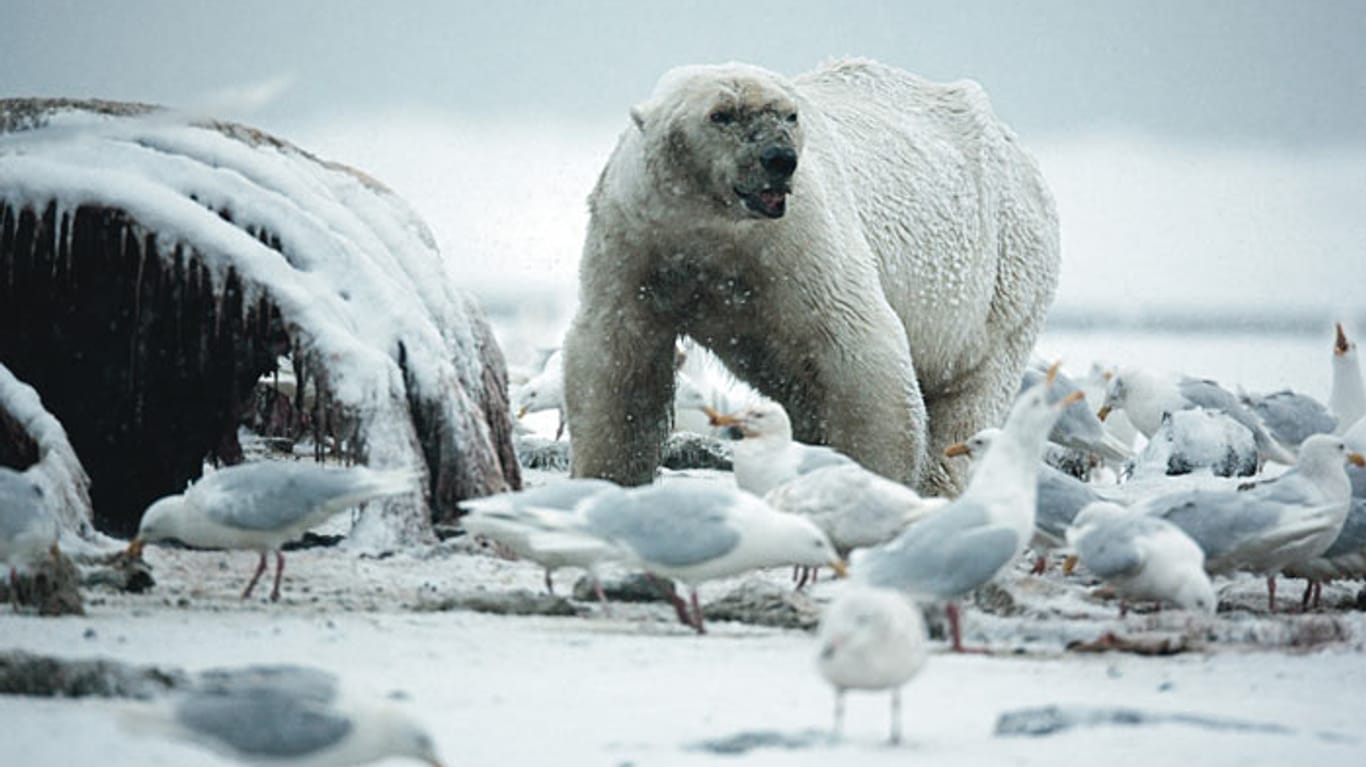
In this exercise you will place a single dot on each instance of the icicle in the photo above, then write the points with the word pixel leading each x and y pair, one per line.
pixel 136 333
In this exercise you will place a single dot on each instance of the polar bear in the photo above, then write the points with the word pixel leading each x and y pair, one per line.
pixel 872 250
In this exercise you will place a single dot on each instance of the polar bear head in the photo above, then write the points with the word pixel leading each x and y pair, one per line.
pixel 727 135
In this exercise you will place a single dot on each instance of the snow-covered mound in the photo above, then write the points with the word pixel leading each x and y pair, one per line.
pixel 31 438
pixel 156 265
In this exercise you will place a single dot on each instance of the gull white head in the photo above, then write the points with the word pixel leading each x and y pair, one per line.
pixel 805 544
pixel 763 420
pixel 1326 454
pixel 1196 594
pixel 164 519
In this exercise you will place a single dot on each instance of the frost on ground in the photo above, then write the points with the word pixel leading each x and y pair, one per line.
pixel 629 685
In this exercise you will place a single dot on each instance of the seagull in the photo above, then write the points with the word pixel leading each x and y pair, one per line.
pixel 28 528
pixel 262 506
pixel 1142 557
pixel 1291 417
pixel 544 391
pixel 855 507
pixel 1197 440
pixel 288 716
pixel 1347 398
pixel 1078 427
pixel 1146 395
pixel 1058 496
pixel 871 639
pixel 973 538
pixel 1266 526
pixel 691 530
pixel 766 455
pixel 1346 558
pixel 496 518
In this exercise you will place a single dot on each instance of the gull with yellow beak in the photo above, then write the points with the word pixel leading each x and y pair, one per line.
pixel 975 537
pixel 262 506
pixel 691 530
pixel 766 455
pixel 1268 526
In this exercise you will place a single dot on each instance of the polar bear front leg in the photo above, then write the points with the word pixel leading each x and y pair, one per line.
pixel 619 382
pixel 975 401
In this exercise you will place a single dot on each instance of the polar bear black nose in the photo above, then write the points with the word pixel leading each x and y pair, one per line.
pixel 781 160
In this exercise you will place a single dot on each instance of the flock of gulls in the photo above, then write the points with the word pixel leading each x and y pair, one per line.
pixel 1225 482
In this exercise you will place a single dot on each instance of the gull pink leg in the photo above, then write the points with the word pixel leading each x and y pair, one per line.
pixel 279 571
pixel 260 568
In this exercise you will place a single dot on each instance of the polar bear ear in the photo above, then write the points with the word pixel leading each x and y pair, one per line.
pixel 639 113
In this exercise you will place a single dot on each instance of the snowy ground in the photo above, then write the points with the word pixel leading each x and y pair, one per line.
pixel 637 688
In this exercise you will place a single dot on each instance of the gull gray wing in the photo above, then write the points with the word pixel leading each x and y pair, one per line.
pixel 1292 418
pixel 667 525
pixel 563 495
pixel 946 555
pixel 1221 523
pixel 815 457
pixel 301 681
pixel 1077 427
pixel 273 495
pixel 262 722
pixel 1111 549
pixel 1059 497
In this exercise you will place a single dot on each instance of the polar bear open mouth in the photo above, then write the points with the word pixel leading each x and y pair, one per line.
pixel 768 202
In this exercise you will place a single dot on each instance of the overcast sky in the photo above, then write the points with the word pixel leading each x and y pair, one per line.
pixel 1280 72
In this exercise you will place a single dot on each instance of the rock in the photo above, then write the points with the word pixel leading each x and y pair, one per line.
pixel 542 453
pixel 23 673
pixel 635 587
pixel 520 602
pixel 764 604
pixel 117 571
pixel 687 450
pixel 1050 720
pixel 744 742
pixel 1142 643
pixel 52 586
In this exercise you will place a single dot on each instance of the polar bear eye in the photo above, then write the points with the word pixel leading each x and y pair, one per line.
pixel 722 117
pixel 792 118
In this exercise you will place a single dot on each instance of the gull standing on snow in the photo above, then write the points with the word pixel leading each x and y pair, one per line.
pixel 262 506
pixel 1142 557
pixel 1267 526
pixel 28 528
pixel 973 538
pixel 1346 558
pixel 1057 496
pixel 871 639
pixel 855 507
pixel 1347 398
pixel 288 716
pixel 766 455
pixel 692 530
pixel 498 518
pixel 1146 395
